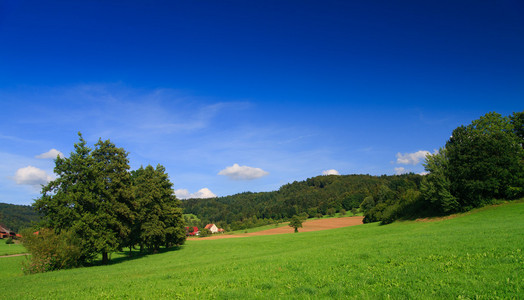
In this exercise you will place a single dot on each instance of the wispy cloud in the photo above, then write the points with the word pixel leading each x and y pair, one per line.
pixel 117 110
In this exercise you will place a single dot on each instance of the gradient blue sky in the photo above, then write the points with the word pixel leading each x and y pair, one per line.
pixel 284 89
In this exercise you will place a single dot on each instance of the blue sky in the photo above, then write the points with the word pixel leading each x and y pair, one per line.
pixel 234 96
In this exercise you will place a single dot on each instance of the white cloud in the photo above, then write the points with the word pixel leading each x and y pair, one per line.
pixel 330 172
pixel 53 153
pixel 237 172
pixel 201 194
pixel 412 158
pixel 423 173
pixel 204 193
pixel 32 176
pixel 182 194
pixel 400 171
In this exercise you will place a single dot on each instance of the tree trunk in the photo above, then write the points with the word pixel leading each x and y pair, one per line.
pixel 105 258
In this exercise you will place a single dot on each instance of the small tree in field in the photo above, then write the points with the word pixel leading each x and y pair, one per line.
pixel 295 222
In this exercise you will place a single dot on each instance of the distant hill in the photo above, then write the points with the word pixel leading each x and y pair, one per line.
pixel 321 195
pixel 17 217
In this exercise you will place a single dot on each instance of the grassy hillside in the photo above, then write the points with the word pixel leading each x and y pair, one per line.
pixel 474 255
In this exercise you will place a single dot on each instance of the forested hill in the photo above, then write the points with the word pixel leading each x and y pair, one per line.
pixel 17 217
pixel 315 196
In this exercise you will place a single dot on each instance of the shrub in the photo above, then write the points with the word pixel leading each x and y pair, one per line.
pixel 343 212
pixel 50 251
pixel 331 212
pixel 9 240
pixel 204 232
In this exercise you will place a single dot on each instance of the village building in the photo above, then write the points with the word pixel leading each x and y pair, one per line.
pixel 192 231
pixel 5 233
pixel 212 227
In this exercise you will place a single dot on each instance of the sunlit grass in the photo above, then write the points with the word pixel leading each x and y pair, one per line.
pixel 478 255
pixel 9 249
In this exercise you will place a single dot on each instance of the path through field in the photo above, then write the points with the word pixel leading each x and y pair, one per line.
pixel 313 225
pixel 12 255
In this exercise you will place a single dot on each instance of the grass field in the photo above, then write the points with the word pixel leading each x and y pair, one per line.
pixel 476 255
pixel 8 249
pixel 257 229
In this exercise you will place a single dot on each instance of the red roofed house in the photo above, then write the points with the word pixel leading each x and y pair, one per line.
pixel 212 227
pixel 5 233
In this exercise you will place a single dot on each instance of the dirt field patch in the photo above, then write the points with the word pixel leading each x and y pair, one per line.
pixel 313 225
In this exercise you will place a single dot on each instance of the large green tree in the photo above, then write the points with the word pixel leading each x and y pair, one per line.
pixel 90 197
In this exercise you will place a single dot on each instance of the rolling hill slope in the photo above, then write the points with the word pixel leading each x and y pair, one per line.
pixel 478 254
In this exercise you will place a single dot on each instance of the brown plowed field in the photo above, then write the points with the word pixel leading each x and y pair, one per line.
pixel 313 225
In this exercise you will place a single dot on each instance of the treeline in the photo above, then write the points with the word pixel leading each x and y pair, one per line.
pixel 97 206
pixel 481 162
pixel 317 196
pixel 17 217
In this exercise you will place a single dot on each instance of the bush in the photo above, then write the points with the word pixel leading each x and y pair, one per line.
pixel 343 212
pixel 204 232
pixel 331 212
pixel 9 240
pixel 50 251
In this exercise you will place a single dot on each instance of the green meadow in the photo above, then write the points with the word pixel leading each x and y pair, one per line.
pixel 475 255
pixel 9 249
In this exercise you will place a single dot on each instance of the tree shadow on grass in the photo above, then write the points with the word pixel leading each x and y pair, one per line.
pixel 125 256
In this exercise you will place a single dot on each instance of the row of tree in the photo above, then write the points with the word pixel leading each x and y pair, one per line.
pixel 104 207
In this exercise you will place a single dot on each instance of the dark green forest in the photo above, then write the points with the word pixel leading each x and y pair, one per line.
pixel 317 196
pixel 17 217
